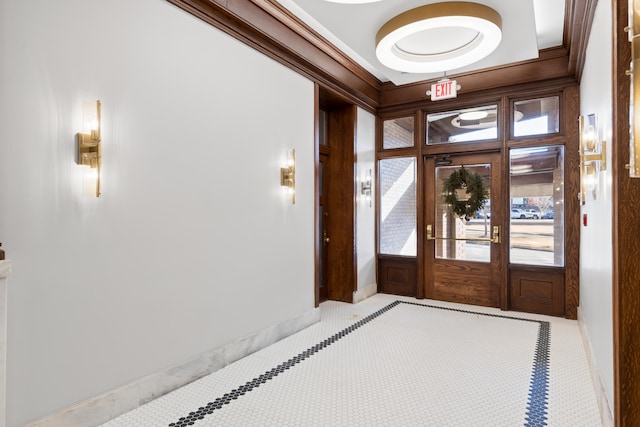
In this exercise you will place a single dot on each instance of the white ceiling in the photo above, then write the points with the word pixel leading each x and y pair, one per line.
pixel 527 26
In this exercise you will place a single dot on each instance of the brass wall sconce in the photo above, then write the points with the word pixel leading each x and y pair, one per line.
pixel 288 175
pixel 365 188
pixel 89 144
pixel 593 156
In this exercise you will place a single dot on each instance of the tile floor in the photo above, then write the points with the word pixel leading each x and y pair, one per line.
pixel 394 361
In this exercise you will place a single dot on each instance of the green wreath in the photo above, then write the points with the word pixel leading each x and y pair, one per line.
pixel 475 188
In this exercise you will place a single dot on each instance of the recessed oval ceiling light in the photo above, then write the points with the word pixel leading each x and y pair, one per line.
pixel 473 115
pixel 439 37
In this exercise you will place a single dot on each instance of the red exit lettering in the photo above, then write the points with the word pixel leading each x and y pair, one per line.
pixel 444 90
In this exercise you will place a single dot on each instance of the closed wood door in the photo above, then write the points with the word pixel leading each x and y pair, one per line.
pixel 323 224
pixel 463 254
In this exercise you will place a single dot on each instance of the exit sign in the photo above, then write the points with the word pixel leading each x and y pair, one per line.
pixel 444 90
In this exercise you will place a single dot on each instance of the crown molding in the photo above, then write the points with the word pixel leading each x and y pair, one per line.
pixel 273 30
pixel 577 27
pixel 551 64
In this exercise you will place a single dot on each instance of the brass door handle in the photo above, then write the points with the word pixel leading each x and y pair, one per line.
pixel 495 236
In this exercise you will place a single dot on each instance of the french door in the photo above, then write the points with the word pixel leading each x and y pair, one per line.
pixel 464 256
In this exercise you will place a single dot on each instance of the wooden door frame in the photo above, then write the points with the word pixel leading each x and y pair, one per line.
pixel 322 292
pixel 341 189
pixel 498 251
pixel 317 245
pixel 626 245
pixel 569 93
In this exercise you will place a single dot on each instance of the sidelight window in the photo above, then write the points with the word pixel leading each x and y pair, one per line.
pixel 398 206
pixel 536 116
pixel 537 206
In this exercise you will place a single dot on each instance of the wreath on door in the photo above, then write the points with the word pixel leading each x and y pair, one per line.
pixel 464 192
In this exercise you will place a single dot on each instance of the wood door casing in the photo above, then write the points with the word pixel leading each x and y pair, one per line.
pixel 626 245
pixel 323 223
pixel 341 262
pixel 469 282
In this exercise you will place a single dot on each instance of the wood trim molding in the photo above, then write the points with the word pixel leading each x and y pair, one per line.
pixel 316 196
pixel 271 29
pixel 492 95
pixel 274 31
pixel 626 245
pixel 572 205
pixel 551 64
pixel 578 20
pixel 283 15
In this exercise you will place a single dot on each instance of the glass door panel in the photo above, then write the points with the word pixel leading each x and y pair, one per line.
pixel 465 238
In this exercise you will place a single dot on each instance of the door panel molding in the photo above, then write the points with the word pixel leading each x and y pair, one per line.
pixel 537 290
pixel 398 275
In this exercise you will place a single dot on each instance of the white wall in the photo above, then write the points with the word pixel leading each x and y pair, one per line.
pixel 596 261
pixel 365 214
pixel 192 244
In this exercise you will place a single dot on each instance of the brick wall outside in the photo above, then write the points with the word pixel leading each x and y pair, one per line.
pixel 396 134
pixel 398 191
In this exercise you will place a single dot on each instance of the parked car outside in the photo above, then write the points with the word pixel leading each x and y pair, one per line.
pixel 517 214
pixel 532 214
pixel 547 215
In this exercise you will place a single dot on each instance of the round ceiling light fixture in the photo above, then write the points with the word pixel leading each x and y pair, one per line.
pixel 439 37
pixel 473 115
pixel 481 119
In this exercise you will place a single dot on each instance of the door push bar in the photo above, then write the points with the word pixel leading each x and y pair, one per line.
pixel 495 236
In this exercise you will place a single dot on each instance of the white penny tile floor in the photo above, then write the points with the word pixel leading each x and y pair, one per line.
pixel 395 361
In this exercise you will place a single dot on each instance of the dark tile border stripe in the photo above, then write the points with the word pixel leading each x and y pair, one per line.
pixel 538 401
pixel 539 384
pixel 250 385
pixel 538 389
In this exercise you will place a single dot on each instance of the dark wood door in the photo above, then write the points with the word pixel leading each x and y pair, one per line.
pixel 464 255
pixel 336 252
pixel 323 224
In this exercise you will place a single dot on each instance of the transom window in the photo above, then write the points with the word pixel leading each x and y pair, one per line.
pixel 536 116
pixel 470 124
pixel 398 133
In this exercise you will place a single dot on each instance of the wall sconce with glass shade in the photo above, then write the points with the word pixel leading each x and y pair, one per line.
pixel 288 175
pixel 593 157
pixel 89 141
pixel 365 188
pixel 633 30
